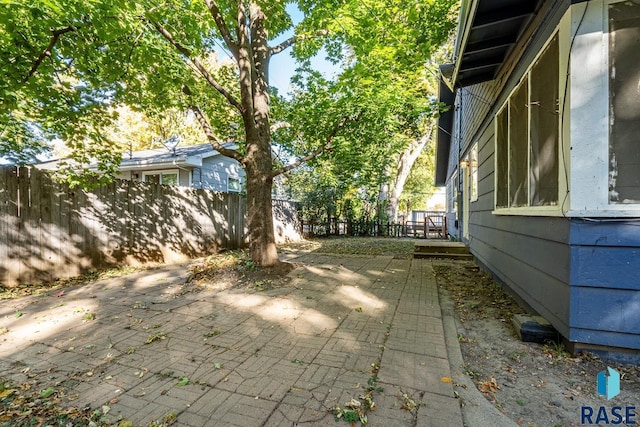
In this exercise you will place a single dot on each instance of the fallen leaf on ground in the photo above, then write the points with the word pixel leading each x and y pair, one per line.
pixel 489 386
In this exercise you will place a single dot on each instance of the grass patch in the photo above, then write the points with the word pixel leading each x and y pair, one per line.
pixel 399 248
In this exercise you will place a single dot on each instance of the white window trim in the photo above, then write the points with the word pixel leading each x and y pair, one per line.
pixel 473 172
pixel 161 172
pixel 590 126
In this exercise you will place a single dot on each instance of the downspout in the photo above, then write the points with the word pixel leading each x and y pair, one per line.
pixel 184 169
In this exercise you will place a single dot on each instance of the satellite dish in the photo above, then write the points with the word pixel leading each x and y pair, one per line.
pixel 171 143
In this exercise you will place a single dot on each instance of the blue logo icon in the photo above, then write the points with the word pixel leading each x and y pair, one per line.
pixel 609 383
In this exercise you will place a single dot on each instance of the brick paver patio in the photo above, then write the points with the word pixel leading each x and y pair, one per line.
pixel 285 356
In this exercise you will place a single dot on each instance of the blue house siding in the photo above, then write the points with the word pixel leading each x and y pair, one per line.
pixel 573 259
pixel 605 317
pixel 605 283
pixel 530 255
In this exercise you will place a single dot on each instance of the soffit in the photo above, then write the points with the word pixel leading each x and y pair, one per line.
pixel 492 29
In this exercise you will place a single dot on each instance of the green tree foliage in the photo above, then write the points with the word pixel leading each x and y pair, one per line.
pixel 68 63
pixel 385 98
pixel 136 130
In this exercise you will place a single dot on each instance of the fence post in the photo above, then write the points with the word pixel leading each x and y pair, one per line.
pixel 426 227
pixel 444 226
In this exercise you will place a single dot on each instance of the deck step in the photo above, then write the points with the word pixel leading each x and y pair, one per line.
pixel 448 255
pixel 441 246
pixel 441 249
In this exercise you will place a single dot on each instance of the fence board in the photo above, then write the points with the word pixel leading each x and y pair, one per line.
pixel 50 230
pixel 8 219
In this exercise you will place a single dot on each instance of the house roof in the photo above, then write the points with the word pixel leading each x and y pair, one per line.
pixel 443 137
pixel 160 157
pixel 187 156
pixel 487 31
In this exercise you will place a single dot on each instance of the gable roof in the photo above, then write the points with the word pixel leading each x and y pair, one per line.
pixel 162 157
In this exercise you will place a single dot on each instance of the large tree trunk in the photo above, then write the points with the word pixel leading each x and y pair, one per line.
pixel 258 167
pixel 254 88
pixel 260 218
pixel 405 163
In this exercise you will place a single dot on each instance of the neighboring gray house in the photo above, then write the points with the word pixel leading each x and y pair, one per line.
pixel 195 166
pixel 541 161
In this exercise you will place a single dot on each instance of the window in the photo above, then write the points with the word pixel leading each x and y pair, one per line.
pixel 161 177
pixel 624 103
pixel 153 178
pixel 453 199
pixel 527 137
pixel 169 179
pixel 233 185
pixel 473 173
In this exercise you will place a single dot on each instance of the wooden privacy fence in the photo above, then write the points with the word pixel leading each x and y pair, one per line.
pixel 431 225
pixel 49 230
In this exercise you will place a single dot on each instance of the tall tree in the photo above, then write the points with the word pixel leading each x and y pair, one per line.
pixel 390 88
pixel 67 62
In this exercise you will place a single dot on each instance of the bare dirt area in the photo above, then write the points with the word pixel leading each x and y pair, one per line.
pixel 235 269
pixel 533 384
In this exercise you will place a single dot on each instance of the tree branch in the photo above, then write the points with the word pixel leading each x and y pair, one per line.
pixel 215 143
pixel 55 36
pixel 197 64
pixel 282 46
pixel 222 27
pixel 291 41
pixel 319 150
pixel 279 125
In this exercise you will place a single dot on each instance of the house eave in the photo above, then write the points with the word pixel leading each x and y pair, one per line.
pixel 184 162
pixel 444 132
pixel 487 32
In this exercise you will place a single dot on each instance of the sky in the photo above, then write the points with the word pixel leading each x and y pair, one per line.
pixel 283 66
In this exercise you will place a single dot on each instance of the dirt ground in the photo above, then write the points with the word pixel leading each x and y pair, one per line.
pixel 533 384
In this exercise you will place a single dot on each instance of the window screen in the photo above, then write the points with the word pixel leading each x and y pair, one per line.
pixel 624 99
pixel 544 127
pixel 502 158
pixel 518 146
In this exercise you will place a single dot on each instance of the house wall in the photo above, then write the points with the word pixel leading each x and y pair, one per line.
pixel 529 254
pixel 215 171
pixel 605 285
pixel 578 273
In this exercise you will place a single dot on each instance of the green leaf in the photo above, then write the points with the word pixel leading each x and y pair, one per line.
pixel 183 381
pixel 47 392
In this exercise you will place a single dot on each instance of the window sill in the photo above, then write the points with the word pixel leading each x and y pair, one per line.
pixel 530 211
